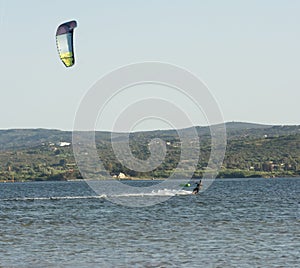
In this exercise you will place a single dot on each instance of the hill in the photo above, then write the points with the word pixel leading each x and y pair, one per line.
pixel 252 150
pixel 13 139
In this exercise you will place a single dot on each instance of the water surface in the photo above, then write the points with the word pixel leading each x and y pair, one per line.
pixel 235 223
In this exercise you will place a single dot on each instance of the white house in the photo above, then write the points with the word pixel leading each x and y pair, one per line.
pixel 63 144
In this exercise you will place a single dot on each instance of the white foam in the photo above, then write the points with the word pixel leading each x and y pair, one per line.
pixel 52 198
pixel 163 192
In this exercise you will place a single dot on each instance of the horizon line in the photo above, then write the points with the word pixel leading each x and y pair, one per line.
pixel 148 130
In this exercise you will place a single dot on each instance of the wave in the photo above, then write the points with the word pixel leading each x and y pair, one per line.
pixel 164 192
pixel 51 198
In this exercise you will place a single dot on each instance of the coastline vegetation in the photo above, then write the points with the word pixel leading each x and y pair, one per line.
pixel 257 151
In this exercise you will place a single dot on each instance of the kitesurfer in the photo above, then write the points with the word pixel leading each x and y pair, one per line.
pixel 197 188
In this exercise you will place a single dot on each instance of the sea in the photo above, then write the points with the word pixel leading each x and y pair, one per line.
pixel 233 223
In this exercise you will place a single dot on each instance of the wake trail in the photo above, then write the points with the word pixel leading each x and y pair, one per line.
pixel 164 192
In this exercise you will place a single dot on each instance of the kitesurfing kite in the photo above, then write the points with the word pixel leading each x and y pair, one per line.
pixel 64 42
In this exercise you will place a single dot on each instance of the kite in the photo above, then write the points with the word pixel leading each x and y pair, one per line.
pixel 64 42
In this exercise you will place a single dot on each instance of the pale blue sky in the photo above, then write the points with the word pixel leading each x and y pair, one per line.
pixel 247 52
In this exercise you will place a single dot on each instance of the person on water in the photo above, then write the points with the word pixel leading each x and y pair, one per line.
pixel 196 190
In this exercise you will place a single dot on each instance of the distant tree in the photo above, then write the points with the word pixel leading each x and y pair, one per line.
pixel 62 162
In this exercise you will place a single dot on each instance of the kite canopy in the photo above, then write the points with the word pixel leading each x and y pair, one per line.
pixel 64 42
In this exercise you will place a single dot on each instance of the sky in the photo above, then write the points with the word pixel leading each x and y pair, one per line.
pixel 246 52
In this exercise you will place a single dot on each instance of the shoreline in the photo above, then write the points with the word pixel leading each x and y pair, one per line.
pixel 145 179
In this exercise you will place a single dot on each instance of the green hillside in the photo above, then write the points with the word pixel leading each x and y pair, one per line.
pixel 253 150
